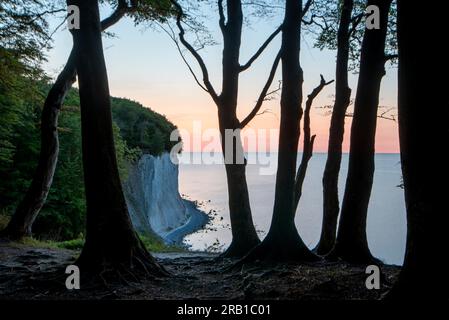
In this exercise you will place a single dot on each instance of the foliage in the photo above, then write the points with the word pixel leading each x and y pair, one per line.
pixel 142 128
pixel 323 19
pixel 136 129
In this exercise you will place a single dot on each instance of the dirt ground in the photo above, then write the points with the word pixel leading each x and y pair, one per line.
pixel 38 273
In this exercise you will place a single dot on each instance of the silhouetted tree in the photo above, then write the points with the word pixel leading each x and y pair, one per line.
pixel 111 242
pixel 331 205
pixel 308 143
pixel 244 236
pixel 424 275
pixel 352 244
pixel 28 209
pixel 283 242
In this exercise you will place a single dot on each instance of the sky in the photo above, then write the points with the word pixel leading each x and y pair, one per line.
pixel 144 65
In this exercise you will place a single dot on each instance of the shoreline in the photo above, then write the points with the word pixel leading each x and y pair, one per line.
pixel 197 221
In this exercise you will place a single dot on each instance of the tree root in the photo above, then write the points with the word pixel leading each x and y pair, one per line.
pixel 238 250
pixel 270 252
pixel 355 257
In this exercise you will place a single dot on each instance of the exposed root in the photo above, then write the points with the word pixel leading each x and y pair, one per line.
pixel 356 257
pixel 237 250
pixel 270 252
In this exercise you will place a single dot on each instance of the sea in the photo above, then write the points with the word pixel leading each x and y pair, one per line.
pixel 206 184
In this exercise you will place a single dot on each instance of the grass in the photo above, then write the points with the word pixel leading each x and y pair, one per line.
pixel 151 242
pixel 4 219
pixel 154 244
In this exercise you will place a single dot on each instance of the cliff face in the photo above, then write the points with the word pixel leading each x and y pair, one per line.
pixel 154 202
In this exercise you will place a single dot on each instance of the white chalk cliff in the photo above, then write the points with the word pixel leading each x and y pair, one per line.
pixel 154 202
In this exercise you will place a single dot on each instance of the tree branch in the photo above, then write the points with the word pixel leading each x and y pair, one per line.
pixel 306 8
pixel 119 12
pixel 207 84
pixel 172 36
pixel 261 49
pixel 308 141
pixel 389 57
pixel 355 23
pixel 263 94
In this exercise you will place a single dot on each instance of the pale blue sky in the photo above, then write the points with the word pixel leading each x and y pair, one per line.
pixel 144 65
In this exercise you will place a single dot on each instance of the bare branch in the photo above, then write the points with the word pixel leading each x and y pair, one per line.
pixel 306 7
pixel 172 36
pixel 389 57
pixel 207 84
pixel 261 49
pixel 264 92
pixel 119 12
pixel 308 141
pixel 356 20
pixel 384 115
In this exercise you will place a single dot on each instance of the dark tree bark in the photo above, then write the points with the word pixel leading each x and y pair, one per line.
pixel 22 220
pixel 352 244
pixel 422 129
pixel 331 205
pixel 309 140
pixel 283 242
pixel 28 209
pixel 111 242
pixel 244 236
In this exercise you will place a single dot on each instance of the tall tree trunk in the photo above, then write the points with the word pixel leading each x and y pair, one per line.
pixel 423 114
pixel 28 209
pixel 111 242
pixel 283 242
pixel 331 205
pixel 244 236
pixel 352 244
pixel 30 206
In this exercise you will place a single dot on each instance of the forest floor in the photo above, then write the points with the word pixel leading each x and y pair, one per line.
pixel 28 272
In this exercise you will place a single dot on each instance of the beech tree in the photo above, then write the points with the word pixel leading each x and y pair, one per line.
pixel 351 243
pixel 339 25
pixel 331 205
pixel 111 241
pixel 283 242
pixel 28 209
pixel 308 143
pixel 420 131
pixel 244 236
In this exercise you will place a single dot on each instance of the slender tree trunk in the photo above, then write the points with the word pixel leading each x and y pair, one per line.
pixel 331 205
pixel 352 244
pixel 28 209
pixel 309 141
pixel 244 236
pixel 423 114
pixel 283 242
pixel 30 206
pixel 111 242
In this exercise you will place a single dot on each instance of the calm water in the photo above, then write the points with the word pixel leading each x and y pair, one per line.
pixel 386 216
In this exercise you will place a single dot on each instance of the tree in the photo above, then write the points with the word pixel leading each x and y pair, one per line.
pixel 244 236
pixel 336 133
pixel 283 242
pixel 111 241
pixel 308 143
pixel 352 244
pixel 421 131
pixel 28 209
pixel 338 25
